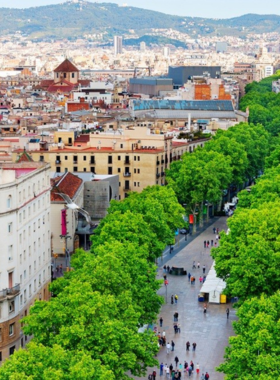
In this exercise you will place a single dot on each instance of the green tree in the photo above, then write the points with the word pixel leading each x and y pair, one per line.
pixel 38 362
pixel 248 257
pixel 254 351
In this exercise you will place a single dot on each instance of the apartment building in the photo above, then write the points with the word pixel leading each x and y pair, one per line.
pixel 138 156
pixel 25 257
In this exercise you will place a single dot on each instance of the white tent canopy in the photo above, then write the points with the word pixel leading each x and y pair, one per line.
pixel 213 286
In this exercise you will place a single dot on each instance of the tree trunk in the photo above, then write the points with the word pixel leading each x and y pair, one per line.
pixel 201 215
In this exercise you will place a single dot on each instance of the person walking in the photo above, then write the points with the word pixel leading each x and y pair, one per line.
pixel 175 326
pixel 217 237
pixel 190 370
pixel 176 298
pixel 160 322
pixel 161 367
pixel 203 269
pixel 205 310
pixel 200 279
pixel 164 268
pixel 212 243
pixel 154 375
pixel 168 348
pixel 189 276
pixel 206 377
pixel 194 346
pixel 163 334
pixel 227 311
pixel 167 371
pixel 218 230
pixel 214 230
pixel 176 359
pixel 171 367
pixel 204 243
pixel 202 377
pixel 192 365
pixel 172 299
pixel 193 265
pixel 172 345
pixel 197 368
pixel 178 328
pixel 198 265
pixel 208 243
pixel 204 278
pixel 188 346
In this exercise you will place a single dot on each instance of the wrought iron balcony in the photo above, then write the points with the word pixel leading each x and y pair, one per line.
pixel 127 174
pixel 10 292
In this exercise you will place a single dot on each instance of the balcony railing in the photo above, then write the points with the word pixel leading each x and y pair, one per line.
pixel 158 162
pixel 127 162
pixel 162 174
pixel 58 162
pixel 158 175
pixel 126 188
pixel 10 292
pixel 127 174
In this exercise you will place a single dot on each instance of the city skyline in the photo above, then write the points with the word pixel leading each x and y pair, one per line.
pixel 203 8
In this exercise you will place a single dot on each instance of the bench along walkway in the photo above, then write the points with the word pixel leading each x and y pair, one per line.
pixel 210 330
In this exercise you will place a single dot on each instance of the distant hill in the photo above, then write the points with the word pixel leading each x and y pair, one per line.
pixel 75 19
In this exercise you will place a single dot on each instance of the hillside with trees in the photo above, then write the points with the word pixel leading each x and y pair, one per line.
pixel 75 19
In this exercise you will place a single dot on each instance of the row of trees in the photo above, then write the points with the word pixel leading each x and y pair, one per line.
pixel 89 329
pixel 248 257
pixel 230 158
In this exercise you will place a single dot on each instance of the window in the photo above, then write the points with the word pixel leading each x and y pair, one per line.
pixel 12 350
pixel 85 158
pixel 11 306
pixel 9 201
pixel 119 170
pixel 134 183
pixel 110 170
pixel 58 169
pixel 34 265
pixel 121 145
pixel 85 169
pixel 75 159
pixel 135 158
pixel 138 158
pixel 11 329
pixel 0 334
pixel 29 270
pixel 110 159
pixel 10 229
pixel 92 169
pixel 134 171
pixel 24 274
pixel 20 300
pixel 65 158
pixel 30 290
pixel 19 196
pixel 119 184
pixel 73 75
pixel 64 75
pixel 20 258
pixel 138 184
pixel 92 160
pixel 119 158
pixel 20 278
pixel 35 285
pixel 75 169
pixel 138 171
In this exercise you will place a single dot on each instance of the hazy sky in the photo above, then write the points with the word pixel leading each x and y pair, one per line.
pixel 199 8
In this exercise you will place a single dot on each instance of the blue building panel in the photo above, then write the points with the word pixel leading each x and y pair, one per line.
pixel 190 105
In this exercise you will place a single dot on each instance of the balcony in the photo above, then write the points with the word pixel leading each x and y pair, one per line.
pixel 158 175
pixel 127 162
pixel 92 162
pixel 162 174
pixel 9 292
pixel 162 161
pixel 126 188
pixel 58 162
pixel 158 162
pixel 75 162
pixel 127 174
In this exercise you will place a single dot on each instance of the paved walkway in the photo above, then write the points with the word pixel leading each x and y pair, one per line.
pixel 210 331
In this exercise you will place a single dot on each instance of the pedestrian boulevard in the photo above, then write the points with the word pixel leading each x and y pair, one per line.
pixel 211 330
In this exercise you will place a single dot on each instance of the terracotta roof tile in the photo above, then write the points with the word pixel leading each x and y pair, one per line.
pixel 68 184
pixel 24 157
pixel 66 67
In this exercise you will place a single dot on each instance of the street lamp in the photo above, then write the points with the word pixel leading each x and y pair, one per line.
pixel 65 249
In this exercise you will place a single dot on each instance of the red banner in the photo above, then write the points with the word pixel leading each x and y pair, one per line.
pixel 63 222
pixel 191 218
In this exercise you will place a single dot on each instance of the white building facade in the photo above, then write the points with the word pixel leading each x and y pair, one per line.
pixel 25 256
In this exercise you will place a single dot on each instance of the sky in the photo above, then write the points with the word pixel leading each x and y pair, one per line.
pixel 198 8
